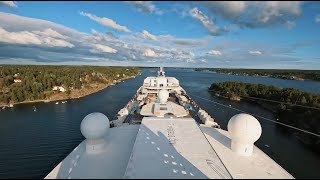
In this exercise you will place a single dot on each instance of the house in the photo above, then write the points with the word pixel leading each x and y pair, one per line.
pixel 55 88
pixel 58 88
pixel 17 80
pixel 62 89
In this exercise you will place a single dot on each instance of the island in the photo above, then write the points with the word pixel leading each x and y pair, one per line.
pixel 298 108
pixel 35 83
pixel 289 74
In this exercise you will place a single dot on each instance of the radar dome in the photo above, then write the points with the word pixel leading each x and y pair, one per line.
pixel 244 130
pixel 163 95
pixel 94 126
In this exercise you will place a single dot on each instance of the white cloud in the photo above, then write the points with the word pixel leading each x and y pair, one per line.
pixel 98 48
pixel 145 6
pixel 255 52
pixel 51 33
pixel 147 35
pixel 45 38
pixel 203 60
pixel 130 48
pixel 256 13
pixel 13 23
pixel 206 22
pixel 109 37
pixel 8 3
pixel 106 22
pixel 317 18
pixel 90 48
pixel 215 52
pixel 149 53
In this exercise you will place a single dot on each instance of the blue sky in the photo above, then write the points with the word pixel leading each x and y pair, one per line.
pixel 267 34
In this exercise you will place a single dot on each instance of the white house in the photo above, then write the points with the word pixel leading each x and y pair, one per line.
pixel 60 88
pixel 17 80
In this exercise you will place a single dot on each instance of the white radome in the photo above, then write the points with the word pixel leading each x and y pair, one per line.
pixel 163 95
pixel 244 130
pixel 94 126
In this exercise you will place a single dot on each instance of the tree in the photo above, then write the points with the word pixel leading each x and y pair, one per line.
pixel 303 100
pixel 78 83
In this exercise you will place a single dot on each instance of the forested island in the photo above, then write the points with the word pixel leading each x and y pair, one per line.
pixel 289 74
pixel 30 83
pixel 300 109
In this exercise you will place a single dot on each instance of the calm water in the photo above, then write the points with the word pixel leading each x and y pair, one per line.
pixel 33 143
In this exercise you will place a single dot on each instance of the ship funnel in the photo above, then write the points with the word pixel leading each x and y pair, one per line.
pixel 94 127
pixel 244 130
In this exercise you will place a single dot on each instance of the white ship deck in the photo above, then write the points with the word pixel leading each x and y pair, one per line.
pixel 109 164
pixel 173 148
pixel 166 148
pixel 258 165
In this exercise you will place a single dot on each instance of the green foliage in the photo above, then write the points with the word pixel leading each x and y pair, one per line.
pixel 291 74
pixel 301 117
pixel 38 81
pixel 288 95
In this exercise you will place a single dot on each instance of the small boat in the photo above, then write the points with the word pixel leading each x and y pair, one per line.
pixel 34 109
pixel 10 105
pixel 57 102
pixel 64 102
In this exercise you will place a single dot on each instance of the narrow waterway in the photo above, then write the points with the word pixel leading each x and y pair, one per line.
pixel 33 143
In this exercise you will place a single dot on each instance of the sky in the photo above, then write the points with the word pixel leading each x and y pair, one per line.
pixel 217 34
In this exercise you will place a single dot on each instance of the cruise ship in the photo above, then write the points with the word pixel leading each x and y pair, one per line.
pixel 163 133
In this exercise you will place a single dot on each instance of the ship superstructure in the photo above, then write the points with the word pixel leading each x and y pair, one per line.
pixel 163 133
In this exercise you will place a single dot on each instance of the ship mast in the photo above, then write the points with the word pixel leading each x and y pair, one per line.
pixel 161 72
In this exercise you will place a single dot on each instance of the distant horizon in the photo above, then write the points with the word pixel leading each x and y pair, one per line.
pixel 150 66
pixel 224 34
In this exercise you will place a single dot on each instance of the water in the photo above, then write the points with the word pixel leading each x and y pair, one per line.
pixel 33 143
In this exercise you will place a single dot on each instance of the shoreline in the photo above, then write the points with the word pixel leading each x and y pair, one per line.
pixel 63 99
pixel 257 75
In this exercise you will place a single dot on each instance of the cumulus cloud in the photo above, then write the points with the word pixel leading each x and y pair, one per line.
pixel 51 33
pixel 46 38
pixel 215 52
pixel 106 22
pixel 317 18
pixel 145 7
pixel 147 35
pixel 206 22
pixel 98 48
pixel 104 48
pixel 8 4
pixel 13 23
pixel 255 52
pixel 255 13
pixel 149 53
